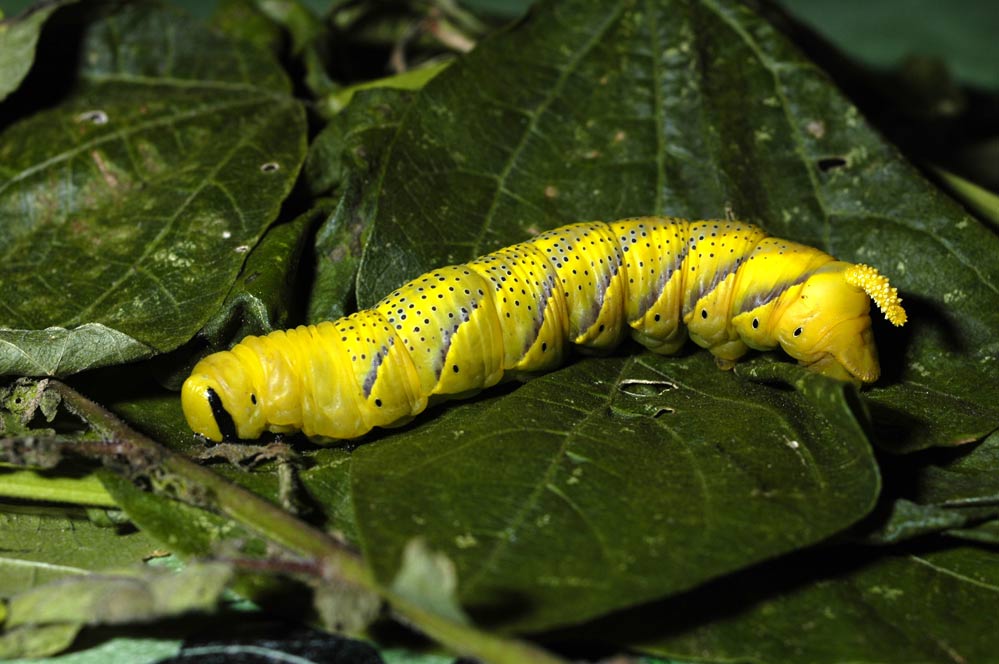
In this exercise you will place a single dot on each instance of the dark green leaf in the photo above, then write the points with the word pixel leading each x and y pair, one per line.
pixel 260 299
pixel 603 110
pixel 952 490
pixel 242 19
pixel 930 606
pixel 309 36
pixel 354 137
pixel 18 38
pixel 343 156
pixel 963 476
pixel 908 519
pixel 983 533
pixel 602 493
pixel 337 254
pixel 130 206
pixel 328 483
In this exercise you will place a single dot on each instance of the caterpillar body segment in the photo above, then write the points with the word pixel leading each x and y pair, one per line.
pixel 459 329
pixel 532 317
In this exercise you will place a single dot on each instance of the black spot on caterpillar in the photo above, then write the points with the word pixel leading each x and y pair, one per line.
pixel 458 329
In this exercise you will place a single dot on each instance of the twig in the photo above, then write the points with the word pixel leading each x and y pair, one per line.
pixel 135 455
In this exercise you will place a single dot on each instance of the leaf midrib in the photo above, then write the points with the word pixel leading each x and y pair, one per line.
pixel 535 115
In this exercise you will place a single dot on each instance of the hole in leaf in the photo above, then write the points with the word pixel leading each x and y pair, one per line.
pixel 97 117
pixel 270 167
pixel 827 164
pixel 637 387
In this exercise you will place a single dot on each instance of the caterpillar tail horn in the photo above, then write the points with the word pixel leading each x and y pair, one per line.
pixel 879 290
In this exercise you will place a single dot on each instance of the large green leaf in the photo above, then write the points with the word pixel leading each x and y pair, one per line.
pixel 692 107
pixel 129 207
pixel 600 493
pixel 604 110
pixel 911 606
pixel 929 600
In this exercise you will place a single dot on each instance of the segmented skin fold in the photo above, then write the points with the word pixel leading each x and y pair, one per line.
pixel 458 329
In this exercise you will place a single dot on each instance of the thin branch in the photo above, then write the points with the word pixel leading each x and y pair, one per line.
pixel 134 455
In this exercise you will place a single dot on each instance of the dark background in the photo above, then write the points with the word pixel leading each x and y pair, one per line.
pixel 880 33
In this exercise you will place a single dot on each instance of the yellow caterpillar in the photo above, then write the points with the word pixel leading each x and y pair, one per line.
pixel 460 328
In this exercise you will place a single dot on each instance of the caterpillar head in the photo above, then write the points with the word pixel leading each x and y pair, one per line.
pixel 827 325
pixel 219 399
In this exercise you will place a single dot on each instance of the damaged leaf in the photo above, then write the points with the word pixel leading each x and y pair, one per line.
pixel 147 184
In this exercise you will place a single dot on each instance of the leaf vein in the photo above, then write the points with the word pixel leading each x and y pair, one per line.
pixel 594 40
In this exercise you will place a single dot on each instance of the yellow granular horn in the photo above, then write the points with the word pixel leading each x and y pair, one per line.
pixel 880 291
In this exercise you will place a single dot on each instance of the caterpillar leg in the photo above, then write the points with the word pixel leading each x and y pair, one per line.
pixel 828 366
pixel 668 345
pixel 728 354
pixel 724 364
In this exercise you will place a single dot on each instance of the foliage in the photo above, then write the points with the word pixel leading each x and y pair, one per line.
pixel 168 186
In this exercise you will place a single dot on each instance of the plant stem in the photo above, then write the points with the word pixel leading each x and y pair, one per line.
pixel 332 558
